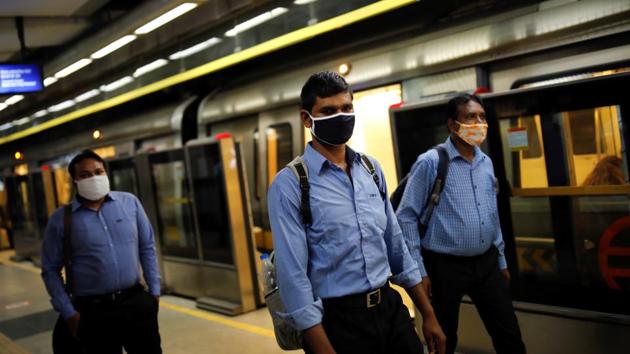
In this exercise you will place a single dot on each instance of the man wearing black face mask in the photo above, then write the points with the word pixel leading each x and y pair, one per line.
pixel 334 269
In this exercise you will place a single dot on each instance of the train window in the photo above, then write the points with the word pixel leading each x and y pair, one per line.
pixel 208 186
pixel 582 130
pixel 279 148
pixel 123 175
pixel 533 140
pixel 526 164
pixel 173 204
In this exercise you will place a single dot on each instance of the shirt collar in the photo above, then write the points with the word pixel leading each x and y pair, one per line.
pixel 454 153
pixel 76 204
pixel 316 161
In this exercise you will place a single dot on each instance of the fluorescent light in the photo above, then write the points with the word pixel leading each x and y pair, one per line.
pixel 3 106
pixel 14 99
pixel 166 18
pixel 117 84
pixel 150 67
pixel 87 95
pixel 195 49
pixel 6 126
pixel 113 46
pixel 72 68
pixel 22 121
pixel 41 113
pixel 242 27
pixel 61 106
pixel 303 2
pixel 50 80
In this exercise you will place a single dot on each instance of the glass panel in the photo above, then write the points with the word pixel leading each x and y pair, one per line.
pixel 20 206
pixel 63 186
pixel 257 181
pixel 175 218
pixel 530 170
pixel 279 148
pixel 122 175
pixel 39 199
pixel 49 191
pixel 206 171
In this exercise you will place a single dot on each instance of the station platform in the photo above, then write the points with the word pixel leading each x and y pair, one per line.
pixel 27 320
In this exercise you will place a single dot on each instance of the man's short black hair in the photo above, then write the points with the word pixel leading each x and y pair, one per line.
pixel 453 104
pixel 322 84
pixel 84 155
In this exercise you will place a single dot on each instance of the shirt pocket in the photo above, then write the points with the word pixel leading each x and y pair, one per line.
pixel 126 229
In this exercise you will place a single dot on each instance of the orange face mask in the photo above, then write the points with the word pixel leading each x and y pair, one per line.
pixel 472 134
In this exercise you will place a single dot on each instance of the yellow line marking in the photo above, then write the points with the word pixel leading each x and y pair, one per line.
pixel 219 319
pixel 269 46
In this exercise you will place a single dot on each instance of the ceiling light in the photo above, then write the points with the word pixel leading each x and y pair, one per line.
pixel 87 95
pixel 150 67
pixel 242 27
pixel 41 113
pixel 3 106
pixel 113 46
pixel 72 68
pixel 96 134
pixel 50 80
pixel 18 155
pixel 117 84
pixel 61 106
pixel 194 49
pixel 14 99
pixel 303 2
pixel 166 18
pixel 22 121
pixel 6 126
pixel 344 69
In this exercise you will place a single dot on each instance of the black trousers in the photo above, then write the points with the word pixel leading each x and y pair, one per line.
pixel 107 327
pixel 480 278
pixel 383 329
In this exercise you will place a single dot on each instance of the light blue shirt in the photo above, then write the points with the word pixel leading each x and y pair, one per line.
pixel 108 248
pixel 466 220
pixel 353 245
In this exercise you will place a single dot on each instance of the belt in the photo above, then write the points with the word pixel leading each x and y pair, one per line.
pixel 112 298
pixel 432 254
pixel 367 299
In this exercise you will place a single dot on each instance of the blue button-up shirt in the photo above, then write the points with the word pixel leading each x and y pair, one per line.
pixel 353 245
pixel 108 248
pixel 466 220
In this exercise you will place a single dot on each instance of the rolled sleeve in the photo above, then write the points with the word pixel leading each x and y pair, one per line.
pixel 303 309
pixel 411 207
pixel 148 257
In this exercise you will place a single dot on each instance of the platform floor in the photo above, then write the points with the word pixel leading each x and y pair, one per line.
pixel 27 319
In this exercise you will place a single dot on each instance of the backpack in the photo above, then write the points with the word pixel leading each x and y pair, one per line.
pixel 287 336
pixel 433 198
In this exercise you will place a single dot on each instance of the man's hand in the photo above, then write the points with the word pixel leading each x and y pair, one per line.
pixel 506 274
pixel 317 340
pixel 73 324
pixel 426 284
pixel 436 340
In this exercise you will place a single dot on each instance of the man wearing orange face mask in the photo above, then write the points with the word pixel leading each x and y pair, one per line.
pixel 460 249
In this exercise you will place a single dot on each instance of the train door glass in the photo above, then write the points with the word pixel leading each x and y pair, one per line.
pixel 122 175
pixel 372 131
pixel 177 234
pixel 49 190
pixel 570 203
pixel 207 182
pixel 20 205
pixel 279 148
pixel 63 185
pixel 39 201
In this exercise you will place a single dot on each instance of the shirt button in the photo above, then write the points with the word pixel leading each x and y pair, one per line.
pixel 105 227
pixel 478 204
pixel 475 187
pixel 482 223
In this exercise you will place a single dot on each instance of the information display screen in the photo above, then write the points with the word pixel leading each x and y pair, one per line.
pixel 18 78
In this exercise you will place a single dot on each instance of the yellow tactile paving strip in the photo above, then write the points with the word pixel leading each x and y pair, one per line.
pixel 7 346
pixel 5 259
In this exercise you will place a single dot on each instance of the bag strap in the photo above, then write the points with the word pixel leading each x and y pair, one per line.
pixel 301 172
pixel 372 171
pixel 67 244
pixel 438 185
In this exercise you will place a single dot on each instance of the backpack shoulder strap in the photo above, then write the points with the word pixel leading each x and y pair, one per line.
pixel 369 166
pixel 301 173
pixel 438 185
pixel 67 243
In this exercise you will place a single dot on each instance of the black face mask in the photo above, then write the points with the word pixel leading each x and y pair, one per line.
pixel 333 130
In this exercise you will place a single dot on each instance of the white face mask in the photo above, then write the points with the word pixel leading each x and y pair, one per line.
pixel 93 188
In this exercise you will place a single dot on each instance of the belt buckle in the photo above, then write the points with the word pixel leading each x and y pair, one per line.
pixel 373 298
pixel 116 295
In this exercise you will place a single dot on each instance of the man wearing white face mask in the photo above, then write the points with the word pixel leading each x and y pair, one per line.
pixel 334 266
pixel 461 251
pixel 103 305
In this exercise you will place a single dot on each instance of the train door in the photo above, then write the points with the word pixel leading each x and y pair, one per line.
pixel 122 175
pixel 22 214
pixel 63 185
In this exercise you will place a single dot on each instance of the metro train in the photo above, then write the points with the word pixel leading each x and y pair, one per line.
pixel 559 132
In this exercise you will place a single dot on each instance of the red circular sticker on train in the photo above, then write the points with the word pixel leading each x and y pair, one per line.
pixel 606 250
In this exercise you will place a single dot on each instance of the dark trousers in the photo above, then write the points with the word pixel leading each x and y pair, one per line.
pixel 106 327
pixel 480 278
pixel 383 329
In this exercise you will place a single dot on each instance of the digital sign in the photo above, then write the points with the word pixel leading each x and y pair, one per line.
pixel 18 78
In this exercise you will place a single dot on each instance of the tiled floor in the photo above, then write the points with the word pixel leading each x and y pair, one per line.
pixel 27 319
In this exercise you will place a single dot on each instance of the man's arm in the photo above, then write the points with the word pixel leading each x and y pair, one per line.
pixel 52 262
pixel 435 338
pixel 304 311
pixel 146 244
